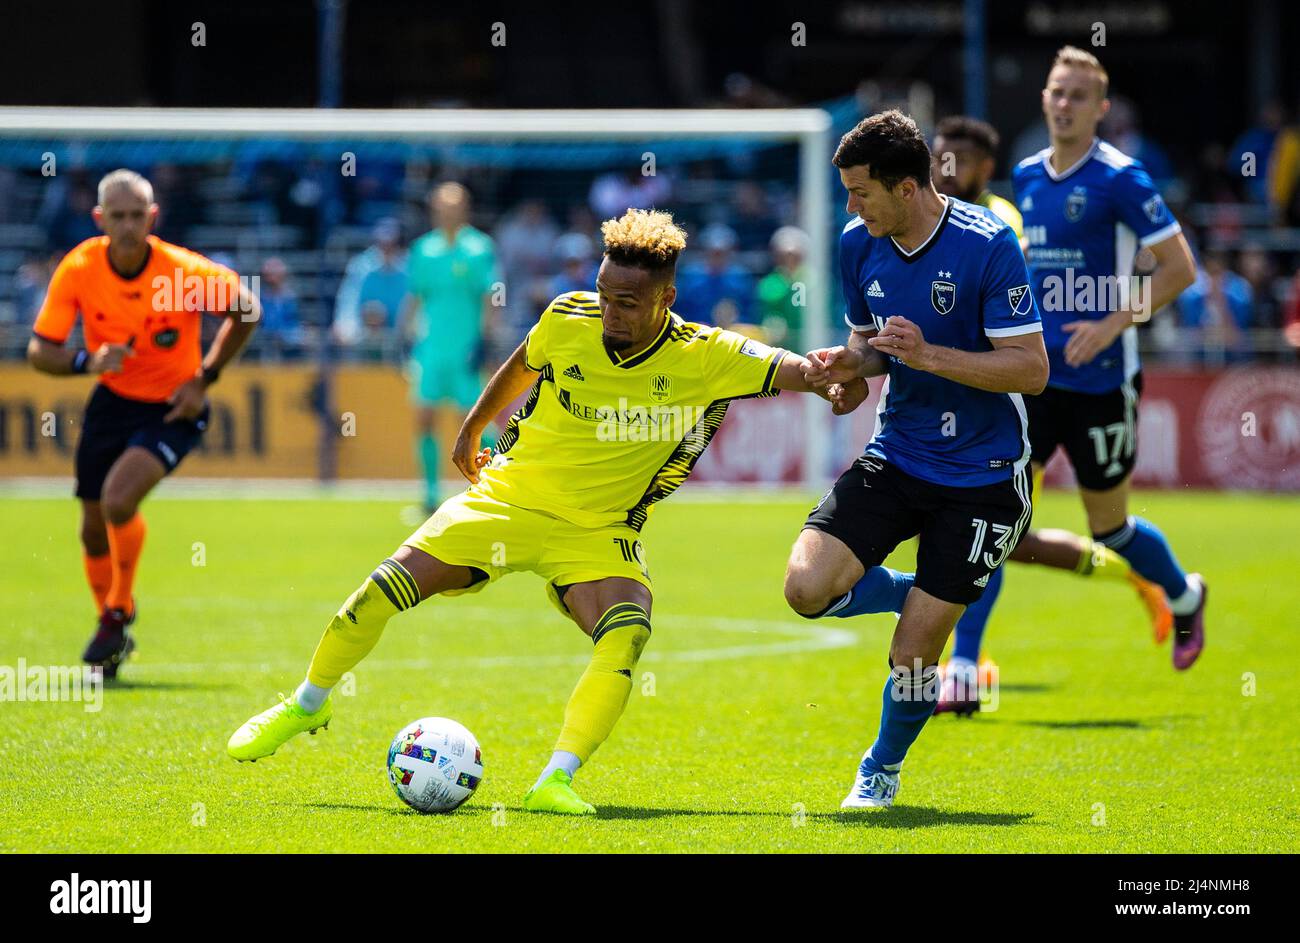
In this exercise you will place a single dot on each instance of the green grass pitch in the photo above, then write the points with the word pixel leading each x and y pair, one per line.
pixel 744 726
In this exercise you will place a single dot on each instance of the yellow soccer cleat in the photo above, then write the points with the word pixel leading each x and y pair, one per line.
pixel 555 794
pixel 264 734
pixel 1157 606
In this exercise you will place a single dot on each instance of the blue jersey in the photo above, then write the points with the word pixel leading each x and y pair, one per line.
pixel 966 283
pixel 1084 227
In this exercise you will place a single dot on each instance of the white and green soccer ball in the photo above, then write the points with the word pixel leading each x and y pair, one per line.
pixel 434 764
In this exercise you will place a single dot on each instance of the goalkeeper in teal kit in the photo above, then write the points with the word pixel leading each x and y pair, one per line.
pixel 452 276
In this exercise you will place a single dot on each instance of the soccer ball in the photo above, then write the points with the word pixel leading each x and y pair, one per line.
pixel 434 764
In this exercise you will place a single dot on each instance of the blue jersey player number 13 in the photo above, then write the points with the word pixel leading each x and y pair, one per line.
pixel 939 300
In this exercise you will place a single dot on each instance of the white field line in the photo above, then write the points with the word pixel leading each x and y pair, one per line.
pixel 289 489
pixel 800 638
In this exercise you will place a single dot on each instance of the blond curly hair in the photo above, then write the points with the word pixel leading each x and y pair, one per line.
pixel 646 239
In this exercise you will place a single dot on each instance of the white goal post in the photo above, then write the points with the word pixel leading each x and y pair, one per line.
pixel 808 127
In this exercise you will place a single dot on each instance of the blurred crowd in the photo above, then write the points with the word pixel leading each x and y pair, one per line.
pixel 331 249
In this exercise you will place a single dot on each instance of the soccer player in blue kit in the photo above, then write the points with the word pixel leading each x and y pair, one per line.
pixel 1088 209
pixel 938 298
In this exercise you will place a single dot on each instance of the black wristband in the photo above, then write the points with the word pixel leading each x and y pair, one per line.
pixel 81 361
pixel 210 375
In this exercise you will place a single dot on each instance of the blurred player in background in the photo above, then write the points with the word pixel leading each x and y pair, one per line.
pixel 451 274
pixel 137 299
pixel 625 397
pixel 965 161
pixel 965 158
pixel 937 298
pixel 1088 211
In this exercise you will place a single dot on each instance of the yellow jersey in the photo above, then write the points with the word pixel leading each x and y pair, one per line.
pixel 601 438
pixel 1004 210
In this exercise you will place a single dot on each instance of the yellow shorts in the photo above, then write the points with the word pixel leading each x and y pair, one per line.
pixel 476 530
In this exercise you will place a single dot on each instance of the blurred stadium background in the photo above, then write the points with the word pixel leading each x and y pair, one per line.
pixel 1186 101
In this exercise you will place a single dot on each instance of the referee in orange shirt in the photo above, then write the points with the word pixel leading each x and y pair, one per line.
pixel 141 302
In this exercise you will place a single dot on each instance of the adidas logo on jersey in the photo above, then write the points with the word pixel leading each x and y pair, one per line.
pixel 1026 204
pixel 873 290
pixel 983 581
pixel 573 373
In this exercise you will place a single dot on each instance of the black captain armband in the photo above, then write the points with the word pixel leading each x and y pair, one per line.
pixel 210 375
pixel 81 361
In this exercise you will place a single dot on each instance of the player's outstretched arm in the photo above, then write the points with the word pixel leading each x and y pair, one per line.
pixel 49 357
pixel 855 359
pixel 1015 364
pixel 241 320
pixel 513 377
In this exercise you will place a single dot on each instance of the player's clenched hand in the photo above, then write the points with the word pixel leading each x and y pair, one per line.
pixel 1089 338
pixel 467 456
pixel 187 402
pixel 846 397
pixel 902 339
pixel 109 358
pixel 829 365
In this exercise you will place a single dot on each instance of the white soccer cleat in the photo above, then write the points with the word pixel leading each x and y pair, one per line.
pixel 872 790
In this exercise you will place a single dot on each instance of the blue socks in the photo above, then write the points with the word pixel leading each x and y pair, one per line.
pixel 969 634
pixel 880 590
pixel 909 699
pixel 1140 543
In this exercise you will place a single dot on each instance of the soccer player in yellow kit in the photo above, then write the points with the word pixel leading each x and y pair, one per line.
pixel 624 398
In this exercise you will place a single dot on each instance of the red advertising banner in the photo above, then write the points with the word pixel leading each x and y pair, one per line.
pixel 1231 429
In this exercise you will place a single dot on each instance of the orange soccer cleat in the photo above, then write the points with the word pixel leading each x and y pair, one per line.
pixel 1153 597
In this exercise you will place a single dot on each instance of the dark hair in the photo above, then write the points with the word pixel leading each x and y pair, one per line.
pixel 965 128
pixel 891 147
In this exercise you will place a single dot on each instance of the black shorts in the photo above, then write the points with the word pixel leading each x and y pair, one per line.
pixel 113 423
pixel 1098 431
pixel 966 533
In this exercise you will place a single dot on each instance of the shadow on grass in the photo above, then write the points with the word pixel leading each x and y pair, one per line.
pixel 899 817
pixel 120 685
pixel 919 816
pixel 385 809
pixel 1032 687
pixel 1117 723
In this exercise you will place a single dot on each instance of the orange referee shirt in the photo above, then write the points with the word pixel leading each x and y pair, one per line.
pixel 158 312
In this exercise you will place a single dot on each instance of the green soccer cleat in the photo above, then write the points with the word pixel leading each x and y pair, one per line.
pixel 268 731
pixel 556 794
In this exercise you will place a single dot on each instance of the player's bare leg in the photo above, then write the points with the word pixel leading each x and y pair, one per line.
pixel 615 613
pixel 399 583
pixel 1149 553
pixel 129 481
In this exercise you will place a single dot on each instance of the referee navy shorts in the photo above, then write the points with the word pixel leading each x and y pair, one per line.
pixel 1097 430
pixel 966 533
pixel 113 424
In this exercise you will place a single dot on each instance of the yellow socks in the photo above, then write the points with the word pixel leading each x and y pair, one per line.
pixel 355 629
pixel 602 692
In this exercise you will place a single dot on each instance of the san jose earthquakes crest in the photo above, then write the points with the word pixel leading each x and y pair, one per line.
pixel 943 293
pixel 1075 204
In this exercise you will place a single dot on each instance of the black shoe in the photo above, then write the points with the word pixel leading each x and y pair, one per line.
pixel 111 644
